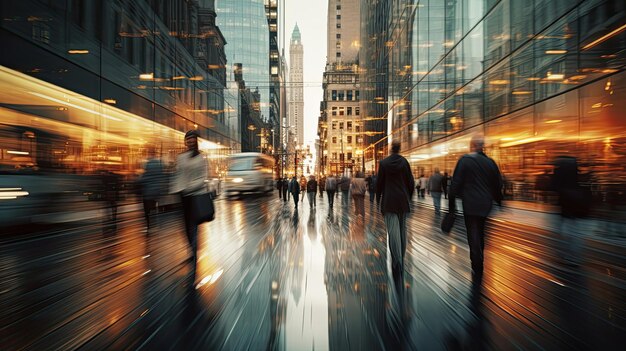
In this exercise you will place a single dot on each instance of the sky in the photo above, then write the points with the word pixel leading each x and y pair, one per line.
pixel 311 17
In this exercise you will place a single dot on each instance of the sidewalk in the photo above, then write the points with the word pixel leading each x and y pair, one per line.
pixel 591 228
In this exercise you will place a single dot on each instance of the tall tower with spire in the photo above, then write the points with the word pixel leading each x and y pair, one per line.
pixel 296 89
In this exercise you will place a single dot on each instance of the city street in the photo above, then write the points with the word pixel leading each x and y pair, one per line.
pixel 271 278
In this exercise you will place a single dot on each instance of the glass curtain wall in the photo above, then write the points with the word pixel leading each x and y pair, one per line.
pixel 244 25
pixel 539 78
pixel 98 85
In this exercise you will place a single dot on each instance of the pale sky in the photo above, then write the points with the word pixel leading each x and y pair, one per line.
pixel 311 17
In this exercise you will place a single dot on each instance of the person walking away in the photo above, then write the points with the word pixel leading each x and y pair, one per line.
pixel 152 183
pixel 285 189
pixel 344 185
pixel 191 179
pixel 279 186
pixel 435 188
pixel 444 184
pixel 372 187
pixel 331 187
pixel 574 202
pixel 358 188
pixel 322 185
pixel 395 187
pixel 302 187
pixel 423 184
pixel 477 178
pixel 311 190
pixel 294 189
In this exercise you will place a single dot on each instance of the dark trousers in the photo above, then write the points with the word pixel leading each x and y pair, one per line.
pixel 295 198
pixel 191 229
pixel 475 226
pixel 148 205
pixel 285 196
pixel 331 197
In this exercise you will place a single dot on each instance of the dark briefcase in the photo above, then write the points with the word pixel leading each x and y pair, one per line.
pixel 203 208
pixel 448 222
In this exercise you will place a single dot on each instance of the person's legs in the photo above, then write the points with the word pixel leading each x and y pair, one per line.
pixel 295 199
pixel 475 227
pixel 331 197
pixel 191 229
pixel 392 221
pixel 436 201
pixel 311 196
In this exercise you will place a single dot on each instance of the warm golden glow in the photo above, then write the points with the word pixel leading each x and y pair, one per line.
pixel 110 101
pixel 604 37
pixel 146 76
pixel 554 121
pixel 78 52
pixel 556 52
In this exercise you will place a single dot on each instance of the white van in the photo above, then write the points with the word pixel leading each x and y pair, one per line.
pixel 249 172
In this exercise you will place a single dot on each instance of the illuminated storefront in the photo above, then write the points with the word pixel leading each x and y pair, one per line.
pixel 92 86
pixel 540 79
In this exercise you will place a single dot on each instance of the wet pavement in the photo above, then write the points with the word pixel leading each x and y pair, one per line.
pixel 272 278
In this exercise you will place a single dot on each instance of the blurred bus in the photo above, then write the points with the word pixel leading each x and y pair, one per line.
pixel 249 172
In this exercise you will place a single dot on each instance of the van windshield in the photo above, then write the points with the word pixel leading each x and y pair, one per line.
pixel 242 164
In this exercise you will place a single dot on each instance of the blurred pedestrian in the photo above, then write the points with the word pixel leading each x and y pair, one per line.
pixel 302 187
pixel 395 186
pixel 344 186
pixel 423 183
pixel 152 184
pixel 331 187
pixel 444 184
pixel 371 187
pixel 357 189
pixel 279 187
pixel 322 185
pixel 575 203
pixel 294 189
pixel 435 187
pixel 111 183
pixel 311 190
pixel 285 189
pixel 191 179
pixel 477 178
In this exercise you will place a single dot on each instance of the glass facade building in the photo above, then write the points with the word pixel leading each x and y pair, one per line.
pixel 244 23
pixel 539 79
pixel 98 85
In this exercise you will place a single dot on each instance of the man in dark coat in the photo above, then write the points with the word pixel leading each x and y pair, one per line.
pixel 395 185
pixel 478 181
pixel 285 189
pixel 294 189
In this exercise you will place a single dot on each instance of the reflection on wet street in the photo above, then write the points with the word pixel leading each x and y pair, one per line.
pixel 273 278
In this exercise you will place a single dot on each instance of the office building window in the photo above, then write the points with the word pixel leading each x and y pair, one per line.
pixel 340 125
pixel 338 35
pixel 356 93
pixel 338 17
pixel 338 7
pixel 349 111
pixel 334 140
pixel 341 111
pixel 341 96
pixel 350 95
pixel 349 125
pixel 357 110
pixel 334 111
pixel 334 155
pixel 338 54
pixel 357 128
pixel 334 95
pixel 334 125
pixel 349 139
pixel 338 25
pixel 349 155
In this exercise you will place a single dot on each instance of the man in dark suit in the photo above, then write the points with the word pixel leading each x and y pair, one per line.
pixel 396 185
pixel 478 182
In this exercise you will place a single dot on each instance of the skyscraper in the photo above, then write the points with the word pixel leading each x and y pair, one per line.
pixel 296 95
pixel 341 127
pixel 244 25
